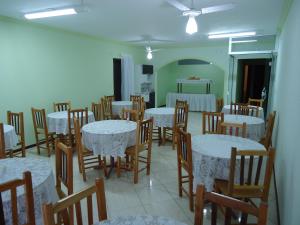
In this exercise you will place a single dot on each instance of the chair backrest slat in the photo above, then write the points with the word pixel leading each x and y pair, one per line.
pixel 129 114
pixel 61 106
pixel 12 186
pixel 39 120
pixel 97 111
pixel 2 142
pixel 211 122
pixel 181 115
pixel 80 114
pixel 233 129
pixel 255 102
pixel 106 108
pixel 267 139
pixel 184 149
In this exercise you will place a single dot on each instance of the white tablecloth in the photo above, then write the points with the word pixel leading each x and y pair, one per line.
pixel 211 156
pixel 140 220
pixel 117 107
pixel 162 117
pixel 255 125
pixel 197 102
pixel 58 121
pixel 10 137
pixel 226 110
pixel 109 137
pixel 42 182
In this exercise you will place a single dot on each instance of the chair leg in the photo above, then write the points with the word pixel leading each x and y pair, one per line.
pixel 136 169
pixel 148 161
pixel 179 179
pixel 214 212
pixel 173 139
pixel 37 144
pixel 228 213
pixel 191 194
pixel 23 149
pixel 48 147
pixel 159 136
pixel 104 167
pixel 119 166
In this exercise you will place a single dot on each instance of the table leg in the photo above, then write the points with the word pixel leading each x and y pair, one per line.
pixel 112 165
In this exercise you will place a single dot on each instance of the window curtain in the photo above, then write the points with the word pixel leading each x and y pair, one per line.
pixel 127 75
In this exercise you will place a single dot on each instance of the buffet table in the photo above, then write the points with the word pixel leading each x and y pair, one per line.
pixel 207 82
pixel 197 102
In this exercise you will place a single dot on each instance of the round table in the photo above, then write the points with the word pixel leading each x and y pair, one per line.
pixel 140 220
pixel 162 117
pixel 226 110
pixel 58 122
pixel 42 183
pixel 255 125
pixel 117 107
pixel 10 137
pixel 211 156
pixel 109 137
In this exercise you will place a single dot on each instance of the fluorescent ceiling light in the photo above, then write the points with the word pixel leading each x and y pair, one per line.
pixel 244 41
pixel 50 13
pixel 242 34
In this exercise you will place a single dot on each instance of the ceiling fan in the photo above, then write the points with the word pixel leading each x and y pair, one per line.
pixel 147 39
pixel 149 51
pixel 191 26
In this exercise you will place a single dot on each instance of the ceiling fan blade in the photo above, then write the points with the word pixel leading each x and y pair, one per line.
pixel 178 5
pixel 155 50
pixel 217 8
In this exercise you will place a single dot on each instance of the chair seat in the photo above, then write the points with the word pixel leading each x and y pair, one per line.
pixel 221 186
pixel 87 152
pixel 130 150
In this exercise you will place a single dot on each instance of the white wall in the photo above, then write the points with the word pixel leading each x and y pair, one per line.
pixel 286 101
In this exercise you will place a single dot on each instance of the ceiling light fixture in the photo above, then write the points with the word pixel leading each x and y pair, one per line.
pixel 149 55
pixel 191 26
pixel 244 41
pixel 241 34
pixel 50 13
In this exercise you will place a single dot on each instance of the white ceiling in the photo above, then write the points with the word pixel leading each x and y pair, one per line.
pixel 125 20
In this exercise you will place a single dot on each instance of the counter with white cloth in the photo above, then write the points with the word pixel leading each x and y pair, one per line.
pixel 197 102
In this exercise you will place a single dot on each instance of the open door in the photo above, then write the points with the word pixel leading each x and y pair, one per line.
pixel 117 79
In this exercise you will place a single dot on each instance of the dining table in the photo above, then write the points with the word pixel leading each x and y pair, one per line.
pixel 211 155
pixel 255 126
pixel 58 121
pixel 118 106
pixel 140 220
pixel 43 186
pixel 162 116
pixel 10 137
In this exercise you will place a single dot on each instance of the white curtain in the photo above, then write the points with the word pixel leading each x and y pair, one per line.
pixel 127 75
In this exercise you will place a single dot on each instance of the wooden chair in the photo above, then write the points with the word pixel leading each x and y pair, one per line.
pixel 12 187
pixel 82 116
pixel 235 107
pixel 64 168
pixel 129 114
pixel 181 102
pixel 106 109
pixel 61 106
pixel 139 105
pixel 248 110
pixel 143 143
pixel 41 129
pixel 249 165
pixel 97 111
pixel 217 200
pixel 110 98
pixel 185 162
pixel 211 122
pixel 255 102
pixel 86 158
pixel 2 142
pixel 267 139
pixel 61 208
pixel 17 121
pixel 180 121
pixel 219 104
pixel 136 97
pixel 233 129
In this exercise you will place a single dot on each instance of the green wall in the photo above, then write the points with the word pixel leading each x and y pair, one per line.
pixel 286 101
pixel 41 65
pixel 167 75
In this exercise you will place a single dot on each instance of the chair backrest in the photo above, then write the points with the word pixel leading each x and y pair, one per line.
pixel 2 142
pixel 181 116
pixel 130 114
pixel 64 168
pixel 136 97
pixel 233 129
pixel 12 187
pixel 78 141
pixel 211 122
pixel 219 104
pixel 248 110
pixel 110 98
pixel 106 108
pixel 255 102
pixel 235 108
pixel 61 106
pixel 97 111
pixel 222 201
pixel 184 150
pixel 249 164
pixel 50 210
pixel 267 139
pixel 144 134
pixel 80 114
pixel 39 120
pixel 17 121
pixel 180 102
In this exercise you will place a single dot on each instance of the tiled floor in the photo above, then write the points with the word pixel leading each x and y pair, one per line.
pixel 156 194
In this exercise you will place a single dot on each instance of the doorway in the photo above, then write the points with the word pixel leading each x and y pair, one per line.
pixel 117 79
pixel 253 76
